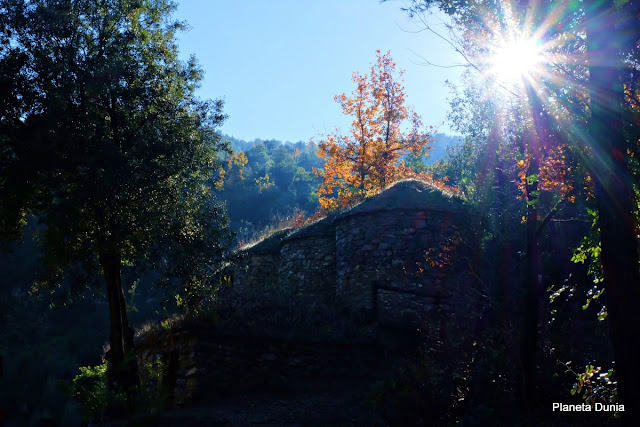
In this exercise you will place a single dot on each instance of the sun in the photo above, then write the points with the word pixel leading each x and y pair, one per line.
pixel 515 60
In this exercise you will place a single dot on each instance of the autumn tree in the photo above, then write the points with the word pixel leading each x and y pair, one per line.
pixel 369 157
pixel 103 141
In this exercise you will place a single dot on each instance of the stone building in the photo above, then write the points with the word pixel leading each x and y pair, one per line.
pixel 398 253
pixel 392 258
pixel 400 262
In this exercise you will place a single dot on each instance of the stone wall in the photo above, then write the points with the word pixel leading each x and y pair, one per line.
pixel 404 258
pixel 308 261
pixel 392 258
pixel 258 264
pixel 203 363
pixel 382 266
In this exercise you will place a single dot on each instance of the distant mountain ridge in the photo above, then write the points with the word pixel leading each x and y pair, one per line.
pixel 440 144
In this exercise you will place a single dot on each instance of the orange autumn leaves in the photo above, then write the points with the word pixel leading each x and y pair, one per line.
pixel 553 175
pixel 233 171
pixel 368 158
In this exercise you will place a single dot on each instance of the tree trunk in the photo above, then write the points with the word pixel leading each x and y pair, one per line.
pixel 122 370
pixel 614 196
pixel 529 340
pixel 535 139
pixel 127 331
pixel 529 343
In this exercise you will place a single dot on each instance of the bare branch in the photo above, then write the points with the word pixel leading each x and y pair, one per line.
pixel 455 46
pixel 429 63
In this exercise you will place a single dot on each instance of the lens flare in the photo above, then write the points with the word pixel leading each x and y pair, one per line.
pixel 513 61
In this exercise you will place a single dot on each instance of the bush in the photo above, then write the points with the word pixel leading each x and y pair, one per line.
pixel 89 388
pixel 461 373
pixel 95 399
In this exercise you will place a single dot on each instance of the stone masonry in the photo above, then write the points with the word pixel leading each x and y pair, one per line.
pixel 308 260
pixel 391 258
pixel 397 262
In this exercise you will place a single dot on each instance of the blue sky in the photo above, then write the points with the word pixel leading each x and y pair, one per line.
pixel 278 63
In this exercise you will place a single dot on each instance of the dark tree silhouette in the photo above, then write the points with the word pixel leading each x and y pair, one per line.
pixel 102 139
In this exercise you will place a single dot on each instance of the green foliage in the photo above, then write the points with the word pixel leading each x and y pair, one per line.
pixel 89 388
pixel 104 139
pixel 132 295
pixel 593 385
pixel 152 395
pixel 588 252
pixel 277 177
pixel 459 166
pixel 197 298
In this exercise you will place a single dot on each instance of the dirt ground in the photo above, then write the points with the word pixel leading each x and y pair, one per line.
pixel 335 403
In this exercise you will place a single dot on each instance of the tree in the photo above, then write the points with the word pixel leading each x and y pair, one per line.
pixel 103 140
pixel 384 129
pixel 611 38
pixel 591 50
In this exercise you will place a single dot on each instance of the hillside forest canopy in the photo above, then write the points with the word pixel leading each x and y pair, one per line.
pixel 123 208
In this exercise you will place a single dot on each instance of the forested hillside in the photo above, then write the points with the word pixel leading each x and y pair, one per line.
pixel 272 184
pixel 268 183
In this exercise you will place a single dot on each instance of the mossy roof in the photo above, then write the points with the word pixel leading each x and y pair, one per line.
pixel 410 194
pixel 268 245
pixel 321 228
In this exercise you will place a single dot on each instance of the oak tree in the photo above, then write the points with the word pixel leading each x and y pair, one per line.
pixel 103 140
pixel 383 130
